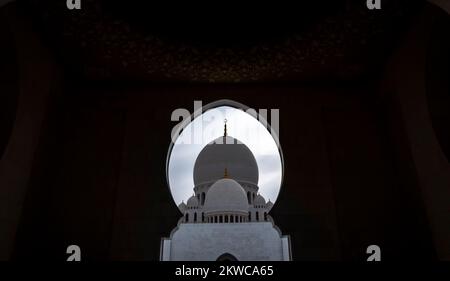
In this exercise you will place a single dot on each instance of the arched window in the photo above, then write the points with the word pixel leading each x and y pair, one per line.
pixel 235 113
pixel 203 198
pixel 203 217
pixel 227 257
pixel 187 217
pixel 232 219
pixel 249 216
pixel 257 216
pixel 265 216
pixel 220 219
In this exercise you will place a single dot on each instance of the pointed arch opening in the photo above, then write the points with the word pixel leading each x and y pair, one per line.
pixel 227 257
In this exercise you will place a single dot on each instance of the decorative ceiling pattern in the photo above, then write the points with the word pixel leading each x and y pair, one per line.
pixel 342 45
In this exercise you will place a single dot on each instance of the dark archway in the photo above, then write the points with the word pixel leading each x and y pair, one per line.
pixel 261 118
pixel 227 257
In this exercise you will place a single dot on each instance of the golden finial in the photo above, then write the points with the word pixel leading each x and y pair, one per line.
pixel 225 127
pixel 225 175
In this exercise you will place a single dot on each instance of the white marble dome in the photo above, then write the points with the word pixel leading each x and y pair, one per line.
pixel 225 152
pixel 259 201
pixel 182 206
pixel 192 202
pixel 226 196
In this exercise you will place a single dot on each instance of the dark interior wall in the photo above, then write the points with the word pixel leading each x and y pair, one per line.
pixel 362 177
pixel 72 193
pixel 100 177
pixel 9 82
pixel 376 193
pixel 25 110
pixel 437 76
pixel 419 146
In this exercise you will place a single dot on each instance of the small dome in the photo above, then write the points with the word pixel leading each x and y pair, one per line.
pixel 182 206
pixel 225 152
pixel 226 195
pixel 259 201
pixel 192 201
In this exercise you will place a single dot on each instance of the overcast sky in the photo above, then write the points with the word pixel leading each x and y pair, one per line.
pixel 241 126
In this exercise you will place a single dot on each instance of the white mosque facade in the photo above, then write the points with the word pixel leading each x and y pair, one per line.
pixel 226 218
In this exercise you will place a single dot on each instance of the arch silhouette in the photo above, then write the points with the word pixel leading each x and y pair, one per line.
pixel 227 257
pixel 263 120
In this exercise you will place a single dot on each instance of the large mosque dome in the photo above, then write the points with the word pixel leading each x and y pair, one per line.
pixel 225 152
pixel 226 196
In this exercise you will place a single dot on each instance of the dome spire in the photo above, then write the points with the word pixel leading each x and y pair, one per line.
pixel 225 127
pixel 225 174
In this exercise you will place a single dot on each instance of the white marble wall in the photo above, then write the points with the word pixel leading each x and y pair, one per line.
pixel 245 241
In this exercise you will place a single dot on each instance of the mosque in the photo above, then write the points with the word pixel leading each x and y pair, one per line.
pixel 226 218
